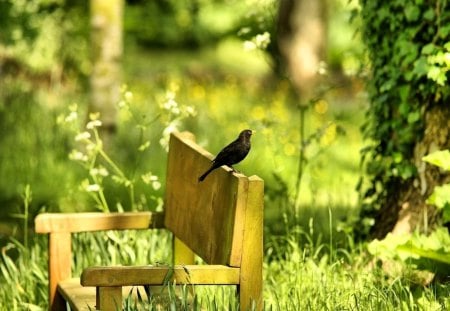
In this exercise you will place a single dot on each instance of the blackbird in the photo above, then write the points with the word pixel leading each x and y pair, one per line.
pixel 234 153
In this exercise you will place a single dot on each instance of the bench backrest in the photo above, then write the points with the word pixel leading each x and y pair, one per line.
pixel 208 216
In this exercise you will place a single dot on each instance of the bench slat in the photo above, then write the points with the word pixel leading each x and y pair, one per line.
pixel 207 216
pixel 157 275
pixel 83 222
pixel 83 298
pixel 79 298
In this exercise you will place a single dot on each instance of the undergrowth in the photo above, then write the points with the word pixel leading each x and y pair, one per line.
pixel 300 273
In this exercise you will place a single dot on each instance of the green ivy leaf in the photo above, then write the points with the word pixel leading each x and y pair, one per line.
pixel 421 67
pixel 447 45
pixel 413 116
pixel 428 49
pixel 412 13
pixel 439 158
pixel 446 214
pixel 429 14
pixel 404 92
pixel 440 197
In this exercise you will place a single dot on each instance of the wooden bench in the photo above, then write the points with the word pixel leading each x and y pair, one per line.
pixel 220 220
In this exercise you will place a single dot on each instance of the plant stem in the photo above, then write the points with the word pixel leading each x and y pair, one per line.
pixel 117 170
pixel 26 203
pixel 302 158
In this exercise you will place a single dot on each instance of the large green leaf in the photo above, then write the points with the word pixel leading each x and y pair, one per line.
pixel 439 158
pixel 440 196
pixel 430 252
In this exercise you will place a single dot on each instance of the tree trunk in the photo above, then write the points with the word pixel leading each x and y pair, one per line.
pixel 106 44
pixel 406 210
pixel 302 36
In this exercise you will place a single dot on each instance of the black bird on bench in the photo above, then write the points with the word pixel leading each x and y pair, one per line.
pixel 234 153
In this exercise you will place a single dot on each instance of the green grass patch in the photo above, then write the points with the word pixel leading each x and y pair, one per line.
pixel 300 273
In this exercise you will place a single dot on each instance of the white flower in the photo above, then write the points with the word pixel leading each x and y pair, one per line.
pixel 164 141
pixel 128 96
pixel 249 46
pixel 78 156
pixel 73 115
pixel 149 178
pixel 94 123
pixel 93 188
pixel 101 171
pixel 85 185
pixel 83 136
pixel 322 68
pixel 156 185
pixel 170 105
pixel 262 40
pixel 190 111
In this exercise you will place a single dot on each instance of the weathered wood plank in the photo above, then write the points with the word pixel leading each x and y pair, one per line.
pixel 83 298
pixel 109 298
pixel 250 289
pixel 83 222
pixel 59 263
pixel 157 275
pixel 79 298
pixel 203 215
pixel 182 255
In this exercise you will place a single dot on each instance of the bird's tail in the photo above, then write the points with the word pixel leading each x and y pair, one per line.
pixel 201 178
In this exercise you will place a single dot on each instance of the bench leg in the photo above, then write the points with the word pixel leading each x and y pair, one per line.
pixel 60 259
pixel 109 298
pixel 251 282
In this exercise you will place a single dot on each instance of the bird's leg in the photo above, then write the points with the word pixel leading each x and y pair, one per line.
pixel 234 170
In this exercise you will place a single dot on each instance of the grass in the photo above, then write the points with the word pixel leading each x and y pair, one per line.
pixel 300 273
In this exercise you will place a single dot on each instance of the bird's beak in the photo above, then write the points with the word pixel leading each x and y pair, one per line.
pixel 253 132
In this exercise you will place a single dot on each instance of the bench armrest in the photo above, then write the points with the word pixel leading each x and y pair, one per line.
pixel 83 222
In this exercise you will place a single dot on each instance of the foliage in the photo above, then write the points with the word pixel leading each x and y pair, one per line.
pixel 441 194
pixel 300 273
pixel 188 23
pixel 36 58
pixel 258 29
pixel 37 39
pixel 407 44
pixel 335 278
pixel 100 166
pixel 429 252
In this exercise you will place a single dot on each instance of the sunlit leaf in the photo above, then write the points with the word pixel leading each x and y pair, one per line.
pixel 440 196
pixel 439 158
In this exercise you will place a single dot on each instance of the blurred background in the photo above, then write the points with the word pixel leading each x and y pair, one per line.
pixel 291 72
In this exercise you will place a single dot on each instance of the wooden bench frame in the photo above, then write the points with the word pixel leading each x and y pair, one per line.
pixel 227 204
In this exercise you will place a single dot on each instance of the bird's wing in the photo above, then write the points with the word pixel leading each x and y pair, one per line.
pixel 225 152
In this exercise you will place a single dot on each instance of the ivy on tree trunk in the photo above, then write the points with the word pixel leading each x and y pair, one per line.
pixel 408 115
